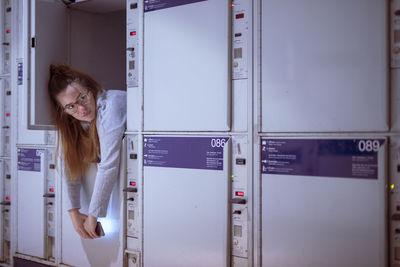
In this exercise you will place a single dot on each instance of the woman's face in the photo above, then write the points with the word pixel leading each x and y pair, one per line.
pixel 78 102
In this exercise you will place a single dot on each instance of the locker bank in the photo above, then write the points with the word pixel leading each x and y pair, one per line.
pixel 258 132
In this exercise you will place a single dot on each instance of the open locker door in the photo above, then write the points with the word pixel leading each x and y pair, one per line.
pixel 49 43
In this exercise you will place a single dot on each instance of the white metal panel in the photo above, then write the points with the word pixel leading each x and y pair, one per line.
pixel 324 65
pixel 2 119
pixel 324 221
pixel 186 215
pixel 186 67
pixel 30 208
pixel 2 195
pixel 394 210
pixel 395 100
pixel 49 27
pixel 104 251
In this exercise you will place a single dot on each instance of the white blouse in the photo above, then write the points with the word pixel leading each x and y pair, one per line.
pixel 111 125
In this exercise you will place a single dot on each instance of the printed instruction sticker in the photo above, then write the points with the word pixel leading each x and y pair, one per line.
pixel 205 153
pixel 354 158
pixel 29 159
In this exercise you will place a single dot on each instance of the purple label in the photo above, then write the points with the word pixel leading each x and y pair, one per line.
pixel 345 158
pixel 206 153
pixel 153 5
pixel 29 159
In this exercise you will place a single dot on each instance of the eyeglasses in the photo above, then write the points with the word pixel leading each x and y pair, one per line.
pixel 72 108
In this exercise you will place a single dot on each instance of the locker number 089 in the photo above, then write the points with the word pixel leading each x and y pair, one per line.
pixel 368 145
pixel 218 142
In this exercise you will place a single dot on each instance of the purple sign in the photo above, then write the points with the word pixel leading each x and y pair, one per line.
pixel 345 158
pixel 153 5
pixel 205 153
pixel 29 159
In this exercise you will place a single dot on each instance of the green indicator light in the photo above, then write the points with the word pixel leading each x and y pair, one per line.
pixel 392 186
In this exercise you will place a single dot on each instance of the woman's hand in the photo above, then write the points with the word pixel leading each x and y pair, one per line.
pixel 90 226
pixel 78 220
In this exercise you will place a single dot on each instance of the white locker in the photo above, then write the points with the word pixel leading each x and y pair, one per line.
pixel 5 37
pixel 186 195
pixel 105 251
pixel 187 73
pixel 324 66
pixel 324 202
pixel 394 198
pixel 3 206
pixel 5 124
pixel 395 100
pixel 31 203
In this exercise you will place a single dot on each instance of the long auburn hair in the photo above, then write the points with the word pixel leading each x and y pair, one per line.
pixel 80 146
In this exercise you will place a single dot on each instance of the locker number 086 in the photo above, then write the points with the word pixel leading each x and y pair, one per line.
pixel 368 145
pixel 218 142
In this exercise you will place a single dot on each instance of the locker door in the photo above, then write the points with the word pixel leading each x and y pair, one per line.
pixel 186 196
pixel 394 210
pixel 3 207
pixel 186 66
pixel 323 202
pixel 31 213
pixel 324 66
pixel 49 45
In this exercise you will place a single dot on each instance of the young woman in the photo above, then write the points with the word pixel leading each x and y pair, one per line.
pixel 90 123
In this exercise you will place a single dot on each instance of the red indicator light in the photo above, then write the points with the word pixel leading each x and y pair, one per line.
pixel 51 189
pixel 233 5
pixel 8 114
pixel 8 31
pixel 133 33
pixel 240 16
pixel 132 183
pixel 8 198
pixel 239 194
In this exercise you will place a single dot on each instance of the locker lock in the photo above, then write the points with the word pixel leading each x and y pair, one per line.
pixel 130 189
pixel 237 212
pixel 131 199
pixel 49 195
pixel 133 156
pixel 5 203
pixel 8 176
pixel 240 161
pixel 52 166
pixel 238 201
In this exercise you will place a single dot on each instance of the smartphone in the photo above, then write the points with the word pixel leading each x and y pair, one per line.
pixel 99 229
